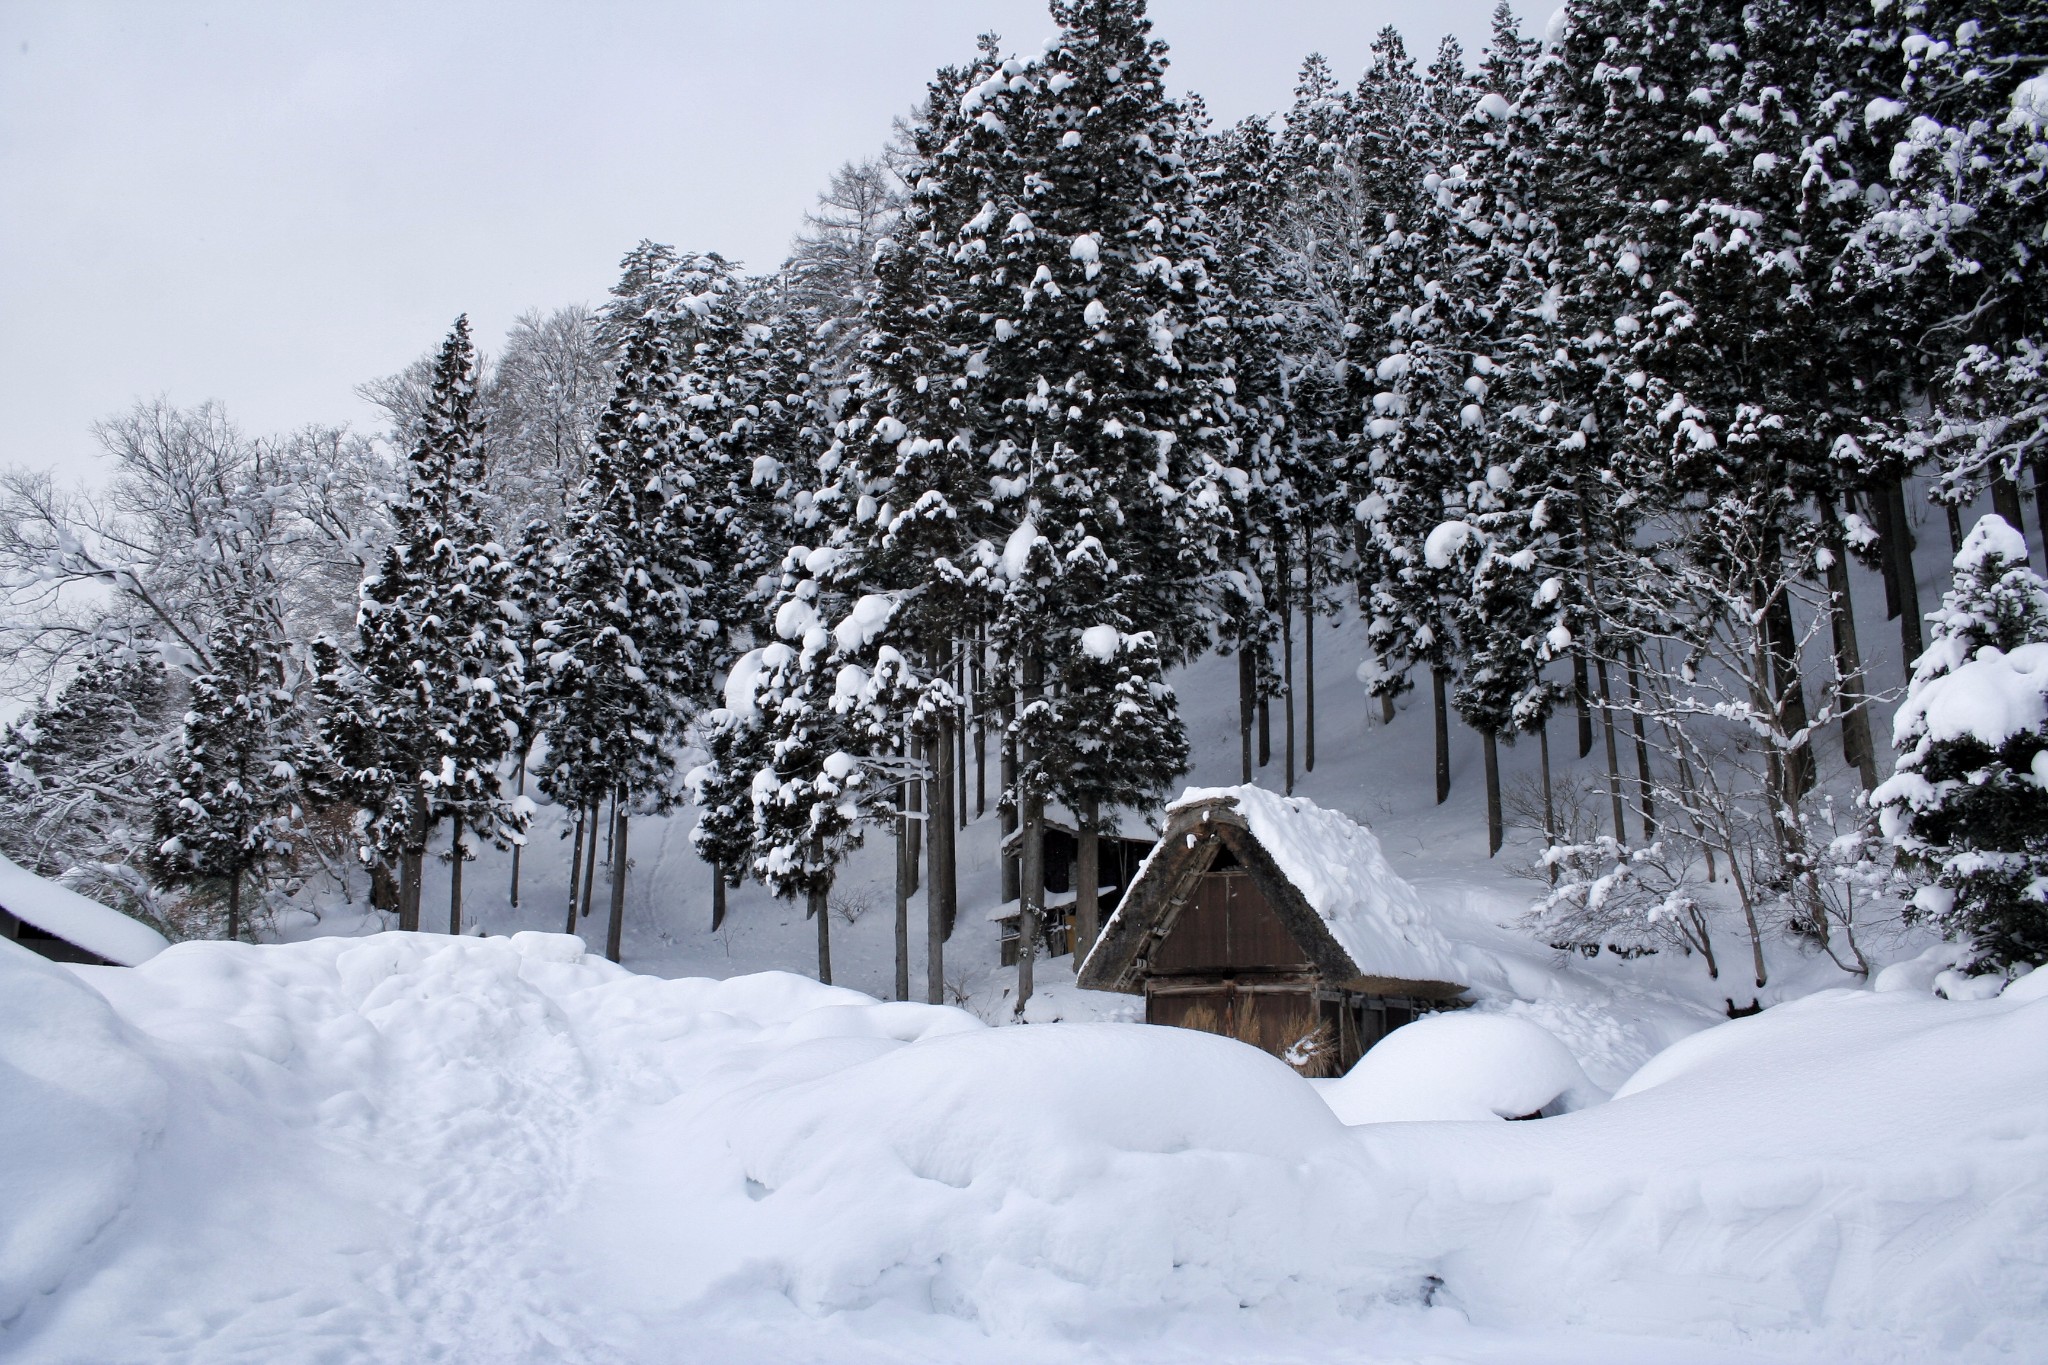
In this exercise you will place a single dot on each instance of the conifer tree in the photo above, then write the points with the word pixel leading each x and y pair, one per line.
pixel 228 805
pixel 418 715
pixel 1965 804
pixel 625 653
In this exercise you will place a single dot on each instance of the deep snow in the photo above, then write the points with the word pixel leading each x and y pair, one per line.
pixel 353 1146
pixel 409 1147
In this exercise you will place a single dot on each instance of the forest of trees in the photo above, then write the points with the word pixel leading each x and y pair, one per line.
pixel 1597 374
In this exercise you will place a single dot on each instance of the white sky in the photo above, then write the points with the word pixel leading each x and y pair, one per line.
pixel 267 203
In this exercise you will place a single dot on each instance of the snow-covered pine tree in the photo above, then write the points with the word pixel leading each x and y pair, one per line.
pixel 1109 367
pixel 76 772
pixel 1965 803
pixel 624 655
pixel 1408 365
pixel 416 719
pixel 824 702
pixel 228 805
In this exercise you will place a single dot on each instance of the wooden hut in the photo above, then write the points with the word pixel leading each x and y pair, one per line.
pixel 1276 922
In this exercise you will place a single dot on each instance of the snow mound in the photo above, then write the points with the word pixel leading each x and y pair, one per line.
pixel 61 911
pixel 410 1147
pixel 1457 1065
pixel 1377 918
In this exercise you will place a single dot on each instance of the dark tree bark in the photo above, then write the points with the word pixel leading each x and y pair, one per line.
pixel 409 889
pixel 1287 666
pixel 902 901
pixel 943 885
pixel 1443 733
pixel 590 858
pixel 717 898
pixel 919 809
pixel 1790 688
pixel 1246 682
pixel 1012 868
pixel 2005 500
pixel 2038 467
pixel 383 886
pixel 518 846
pixel 1549 806
pixel 1308 661
pixel 1901 547
pixel 1495 833
pixel 234 907
pixel 1858 748
pixel 575 873
pixel 1087 877
pixel 615 931
pixel 1887 561
pixel 1582 699
pixel 1031 900
pixel 455 881
pixel 1265 720
pixel 1635 720
pixel 1955 528
pixel 1613 758
pixel 818 906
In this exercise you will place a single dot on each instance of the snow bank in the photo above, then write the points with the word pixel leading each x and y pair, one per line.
pixel 61 911
pixel 409 1147
pixel 1458 1065
pixel 1336 863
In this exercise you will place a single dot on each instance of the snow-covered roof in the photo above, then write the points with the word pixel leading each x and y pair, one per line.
pixel 86 923
pixel 1374 917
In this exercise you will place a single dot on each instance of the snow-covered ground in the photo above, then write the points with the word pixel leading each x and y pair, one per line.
pixel 350 1146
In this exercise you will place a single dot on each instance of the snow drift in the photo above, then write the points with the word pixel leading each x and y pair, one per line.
pixel 410 1147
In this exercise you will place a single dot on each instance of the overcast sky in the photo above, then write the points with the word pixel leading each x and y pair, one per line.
pixel 267 203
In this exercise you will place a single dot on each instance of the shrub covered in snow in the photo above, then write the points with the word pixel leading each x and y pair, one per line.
pixel 1966 803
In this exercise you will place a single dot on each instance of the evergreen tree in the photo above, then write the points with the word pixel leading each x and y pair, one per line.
pixel 421 716
pixel 1965 804
pixel 228 804
pixel 624 655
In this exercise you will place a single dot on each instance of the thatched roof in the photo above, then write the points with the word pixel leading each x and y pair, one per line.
pixel 1322 872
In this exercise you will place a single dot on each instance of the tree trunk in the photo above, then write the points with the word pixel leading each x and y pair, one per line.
pixel 234 906
pixel 818 906
pixel 1635 720
pixel 2038 467
pixel 1443 733
pixel 1087 877
pixel 902 901
pixel 383 886
pixel 455 881
pixel 518 844
pixel 1245 684
pixel 575 872
pixel 1909 587
pixel 1495 834
pixel 1789 686
pixel 1549 806
pixel 1887 562
pixel 1308 657
pixel 944 881
pixel 919 808
pixel 1858 748
pixel 1031 898
pixel 409 890
pixel 956 768
pixel 1955 528
pixel 590 858
pixel 717 898
pixel 935 933
pixel 1265 717
pixel 1011 864
pixel 2005 500
pixel 1287 668
pixel 980 731
pixel 615 932
pixel 1386 708
pixel 1582 697
pixel 1613 758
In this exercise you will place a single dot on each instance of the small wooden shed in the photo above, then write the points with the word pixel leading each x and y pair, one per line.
pixel 1276 922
